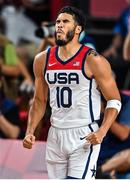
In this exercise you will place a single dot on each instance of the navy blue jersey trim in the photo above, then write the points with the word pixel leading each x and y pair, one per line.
pixel 68 60
pixel 83 63
pixel 88 161
pixel 90 100
pixel 47 58
pixel 70 177
pixel 90 127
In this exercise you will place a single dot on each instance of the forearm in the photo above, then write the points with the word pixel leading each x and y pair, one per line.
pixel 126 48
pixel 109 117
pixel 36 113
pixel 10 130
pixel 97 137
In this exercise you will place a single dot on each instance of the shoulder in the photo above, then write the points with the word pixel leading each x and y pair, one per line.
pixel 96 62
pixel 41 56
pixel 95 58
pixel 40 62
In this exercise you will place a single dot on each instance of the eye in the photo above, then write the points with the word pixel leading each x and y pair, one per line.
pixel 66 20
pixel 57 21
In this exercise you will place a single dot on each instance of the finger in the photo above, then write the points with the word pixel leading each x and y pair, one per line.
pixel 27 145
pixel 90 137
pixel 95 141
pixel 28 141
pixel 32 139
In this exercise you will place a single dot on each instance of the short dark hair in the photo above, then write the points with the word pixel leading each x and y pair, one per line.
pixel 76 13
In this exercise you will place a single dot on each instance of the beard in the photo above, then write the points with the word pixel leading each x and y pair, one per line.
pixel 69 37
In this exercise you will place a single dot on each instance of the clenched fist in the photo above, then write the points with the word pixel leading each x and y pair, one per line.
pixel 28 141
pixel 95 137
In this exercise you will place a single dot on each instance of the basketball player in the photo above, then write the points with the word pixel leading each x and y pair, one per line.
pixel 74 74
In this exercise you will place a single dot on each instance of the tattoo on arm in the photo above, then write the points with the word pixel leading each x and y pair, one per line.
pixel 93 52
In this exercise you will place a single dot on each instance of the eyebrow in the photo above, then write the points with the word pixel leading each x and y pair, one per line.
pixel 64 20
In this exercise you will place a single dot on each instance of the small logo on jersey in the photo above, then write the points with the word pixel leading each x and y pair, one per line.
pixel 93 171
pixel 52 64
pixel 76 63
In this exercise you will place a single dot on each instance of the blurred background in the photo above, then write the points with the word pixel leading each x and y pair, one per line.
pixel 27 28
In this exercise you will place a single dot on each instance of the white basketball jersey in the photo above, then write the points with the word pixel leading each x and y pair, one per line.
pixel 74 98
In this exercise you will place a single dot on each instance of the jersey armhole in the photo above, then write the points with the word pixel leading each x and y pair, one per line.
pixel 83 64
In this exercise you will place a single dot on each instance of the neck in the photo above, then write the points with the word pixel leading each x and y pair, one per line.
pixel 69 50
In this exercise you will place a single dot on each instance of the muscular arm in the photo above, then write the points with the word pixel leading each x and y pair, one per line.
pixel 38 106
pixel 99 68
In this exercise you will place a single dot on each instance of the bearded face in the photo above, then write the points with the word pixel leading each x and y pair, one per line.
pixel 66 28
pixel 67 38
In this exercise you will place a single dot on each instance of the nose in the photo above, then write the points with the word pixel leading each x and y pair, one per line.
pixel 60 25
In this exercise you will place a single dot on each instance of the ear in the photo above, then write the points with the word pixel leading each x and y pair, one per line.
pixel 78 29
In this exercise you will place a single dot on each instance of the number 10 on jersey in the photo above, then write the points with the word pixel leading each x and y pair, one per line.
pixel 64 97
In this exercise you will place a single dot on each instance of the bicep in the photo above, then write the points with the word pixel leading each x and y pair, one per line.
pixel 107 85
pixel 103 75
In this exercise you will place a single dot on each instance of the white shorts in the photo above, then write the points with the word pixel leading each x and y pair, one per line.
pixel 70 156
